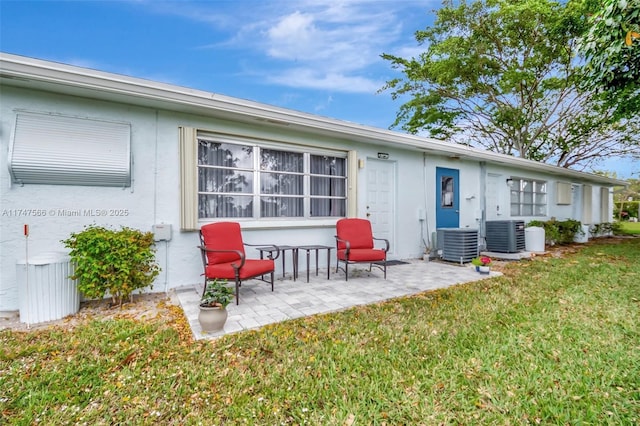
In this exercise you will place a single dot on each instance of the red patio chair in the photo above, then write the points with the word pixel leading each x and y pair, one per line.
pixel 355 244
pixel 223 256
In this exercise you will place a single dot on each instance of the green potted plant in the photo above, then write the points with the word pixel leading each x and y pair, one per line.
pixel 213 306
pixel 482 264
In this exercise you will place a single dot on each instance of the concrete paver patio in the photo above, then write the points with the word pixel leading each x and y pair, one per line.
pixel 294 299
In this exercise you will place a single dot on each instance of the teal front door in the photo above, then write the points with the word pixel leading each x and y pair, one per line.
pixel 447 198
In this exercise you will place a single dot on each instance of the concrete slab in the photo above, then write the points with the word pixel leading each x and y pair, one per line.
pixel 508 256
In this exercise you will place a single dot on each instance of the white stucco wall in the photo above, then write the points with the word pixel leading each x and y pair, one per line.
pixel 154 195
pixel 53 212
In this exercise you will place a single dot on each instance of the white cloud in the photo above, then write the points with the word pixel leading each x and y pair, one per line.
pixel 290 36
pixel 325 104
pixel 408 51
pixel 315 44
pixel 309 78
pixel 336 38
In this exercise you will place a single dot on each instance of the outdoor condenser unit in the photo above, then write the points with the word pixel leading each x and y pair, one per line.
pixel 505 236
pixel 458 244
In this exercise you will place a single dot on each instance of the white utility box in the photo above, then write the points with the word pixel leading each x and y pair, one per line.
pixel 582 237
pixel 46 292
pixel 534 239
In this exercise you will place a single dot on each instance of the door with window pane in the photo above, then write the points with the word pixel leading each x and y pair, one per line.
pixel 447 198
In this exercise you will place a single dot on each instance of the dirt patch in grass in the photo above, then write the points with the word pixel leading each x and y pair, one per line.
pixel 144 307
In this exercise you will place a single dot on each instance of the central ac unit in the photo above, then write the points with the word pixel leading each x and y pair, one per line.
pixel 505 236
pixel 458 244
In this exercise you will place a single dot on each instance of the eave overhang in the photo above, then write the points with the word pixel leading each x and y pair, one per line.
pixel 20 71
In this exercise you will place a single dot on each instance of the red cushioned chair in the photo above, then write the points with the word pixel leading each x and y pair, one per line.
pixel 355 244
pixel 223 256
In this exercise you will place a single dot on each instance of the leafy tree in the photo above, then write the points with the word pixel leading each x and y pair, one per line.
pixel 502 75
pixel 612 49
pixel 631 191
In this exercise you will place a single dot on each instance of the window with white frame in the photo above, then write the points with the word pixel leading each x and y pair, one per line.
pixel 249 180
pixel 528 197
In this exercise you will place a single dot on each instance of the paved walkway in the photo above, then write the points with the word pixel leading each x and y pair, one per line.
pixel 294 299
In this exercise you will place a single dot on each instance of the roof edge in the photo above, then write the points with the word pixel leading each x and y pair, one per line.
pixel 22 67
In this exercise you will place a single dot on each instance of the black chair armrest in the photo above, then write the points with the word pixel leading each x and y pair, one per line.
pixel 238 252
pixel 270 255
pixel 347 244
pixel 386 242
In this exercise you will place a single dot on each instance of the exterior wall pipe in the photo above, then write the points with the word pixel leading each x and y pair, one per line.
pixel 427 242
pixel 483 205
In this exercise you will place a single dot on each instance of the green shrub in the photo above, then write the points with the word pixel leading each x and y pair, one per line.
pixel 559 231
pixel 630 207
pixel 601 229
pixel 117 262
pixel 538 223
pixel 568 230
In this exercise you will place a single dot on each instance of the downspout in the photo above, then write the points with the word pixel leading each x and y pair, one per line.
pixel 156 155
pixel 352 184
pixel 483 206
pixel 428 241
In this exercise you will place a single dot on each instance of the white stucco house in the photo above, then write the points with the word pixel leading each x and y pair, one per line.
pixel 80 146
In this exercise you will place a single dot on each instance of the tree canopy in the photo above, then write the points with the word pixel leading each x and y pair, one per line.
pixel 612 48
pixel 504 75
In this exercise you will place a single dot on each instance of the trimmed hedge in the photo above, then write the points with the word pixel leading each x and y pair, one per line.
pixel 117 262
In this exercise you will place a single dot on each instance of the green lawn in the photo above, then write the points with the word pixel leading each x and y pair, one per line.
pixel 630 228
pixel 553 341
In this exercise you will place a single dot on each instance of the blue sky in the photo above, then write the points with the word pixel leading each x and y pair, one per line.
pixel 316 56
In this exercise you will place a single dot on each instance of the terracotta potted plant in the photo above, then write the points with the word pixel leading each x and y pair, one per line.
pixel 213 306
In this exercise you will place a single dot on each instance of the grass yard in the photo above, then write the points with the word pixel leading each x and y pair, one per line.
pixel 630 228
pixel 553 341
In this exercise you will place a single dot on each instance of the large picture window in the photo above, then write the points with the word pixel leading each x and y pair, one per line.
pixel 237 180
pixel 528 197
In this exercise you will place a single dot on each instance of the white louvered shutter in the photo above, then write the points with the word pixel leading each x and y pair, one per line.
pixel 61 150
